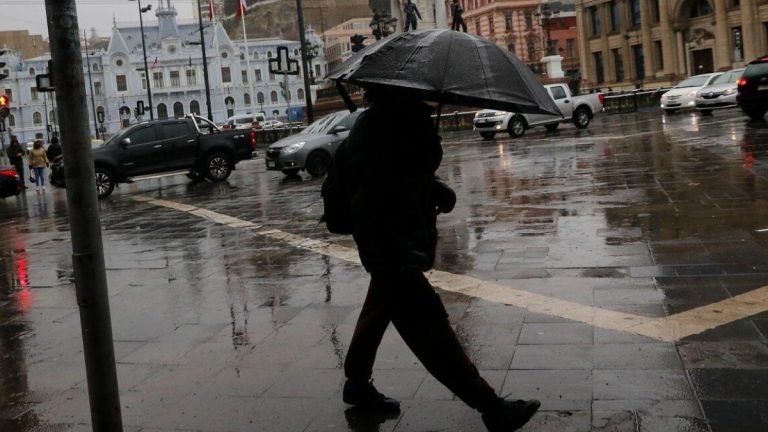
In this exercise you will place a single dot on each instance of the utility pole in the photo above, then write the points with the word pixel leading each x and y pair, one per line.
pixel 303 42
pixel 84 223
pixel 205 63
pixel 90 83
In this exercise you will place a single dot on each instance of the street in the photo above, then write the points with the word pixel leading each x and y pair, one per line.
pixel 619 274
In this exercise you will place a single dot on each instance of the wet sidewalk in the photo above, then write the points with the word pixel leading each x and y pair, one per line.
pixel 613 273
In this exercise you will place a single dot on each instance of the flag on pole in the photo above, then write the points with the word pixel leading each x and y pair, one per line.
pixel 154 63
pixel 210 10
pixel 242 6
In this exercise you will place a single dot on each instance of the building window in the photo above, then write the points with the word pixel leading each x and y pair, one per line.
pixel 97 89
pixel 247 99
pixel 37 118
pixel 655 12
pixel 121 83
pixel 570 47
pixel 162 111
pixel 511 48
pixel 34 94
pixel 618 65
pixel 594 18
pixel 700 8
pixel 639 58
pixel 271 76
pixel 191 77
pixel 32 71
pixel 157 80
pixel 737 44
pixel 260 98
pixel 300 94
pixel 226 74
pixel 194 107
pixel 52 116
pixel 531 49
pixel 491 28
pixel 528 20
pixel 9 93
pixel 100 112
pixel 178 110
pixel 508 20
pixel 229 102
pixel 175 79
pixel 599 72
pixel 258 74
pixel 273 97
pixel 634 12
pixel 11 121
pixel 244 76
pixel 615 19
pixel 658 55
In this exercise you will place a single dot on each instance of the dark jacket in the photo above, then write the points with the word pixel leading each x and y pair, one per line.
pixel 15 151
pixel 392 154
pixel 54 149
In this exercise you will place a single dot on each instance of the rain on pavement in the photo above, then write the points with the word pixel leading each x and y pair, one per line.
pixel 232 308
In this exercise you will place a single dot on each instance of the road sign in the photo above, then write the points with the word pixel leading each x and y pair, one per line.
pixel 283 64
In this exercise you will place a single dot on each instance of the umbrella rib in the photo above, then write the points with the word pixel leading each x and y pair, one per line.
pixel 482 66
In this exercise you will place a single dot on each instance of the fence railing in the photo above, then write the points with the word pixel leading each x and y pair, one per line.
pixel 632 101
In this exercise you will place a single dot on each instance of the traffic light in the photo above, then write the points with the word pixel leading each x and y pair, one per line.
pixel 357 42
pixel 3 75
pixel 282 90
pixel 5 111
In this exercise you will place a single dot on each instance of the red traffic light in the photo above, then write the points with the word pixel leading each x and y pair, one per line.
pixel 4 100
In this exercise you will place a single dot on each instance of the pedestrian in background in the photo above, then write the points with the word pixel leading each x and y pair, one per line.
pixel 38 160
pixel 394 206
pixel 411 15
pixel 54 150
pixel 16 157
pixel 458 20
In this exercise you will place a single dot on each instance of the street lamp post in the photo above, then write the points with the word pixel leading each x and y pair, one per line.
pixel 205 63
pixel 312 53
pixel 639 73
pixel 382 25
pixel 90 82
pixel 546 16
pixel 144 51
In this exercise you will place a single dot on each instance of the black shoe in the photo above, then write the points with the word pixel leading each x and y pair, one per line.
pixel 366 396
pixel 510 415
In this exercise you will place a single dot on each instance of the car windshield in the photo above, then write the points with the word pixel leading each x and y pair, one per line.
pixel 116 137
pixel 696 81
pixel 756 69
pixel 728 77
pixel 324 124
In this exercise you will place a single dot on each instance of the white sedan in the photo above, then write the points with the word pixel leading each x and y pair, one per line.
pixel 683 95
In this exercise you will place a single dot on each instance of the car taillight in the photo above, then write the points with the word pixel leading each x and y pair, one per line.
pixel 253 140
pixel 741 82
pixel 601 98
pixel 8 173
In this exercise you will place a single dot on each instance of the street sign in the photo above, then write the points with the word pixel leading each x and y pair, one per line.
pixel 283 64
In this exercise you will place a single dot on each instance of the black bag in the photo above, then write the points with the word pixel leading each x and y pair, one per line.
pixel 31 174
pixel 337 206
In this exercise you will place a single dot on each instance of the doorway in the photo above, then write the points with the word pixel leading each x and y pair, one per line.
pixel 703 61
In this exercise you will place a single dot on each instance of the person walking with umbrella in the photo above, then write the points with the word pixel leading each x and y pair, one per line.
pixel 458 20
pixel 394 207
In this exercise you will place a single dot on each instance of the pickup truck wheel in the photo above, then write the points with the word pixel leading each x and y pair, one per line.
pixel 218 167
pixel 516 127
pixel 552 126
pixel 488 135
pixel 105 182
pixel 317 163
pixel 581 118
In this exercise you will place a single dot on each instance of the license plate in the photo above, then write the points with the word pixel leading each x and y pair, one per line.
pixel 271 164
pixel 762 87
pixel 482 121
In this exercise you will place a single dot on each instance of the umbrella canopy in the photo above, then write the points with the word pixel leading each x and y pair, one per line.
pixel 449 67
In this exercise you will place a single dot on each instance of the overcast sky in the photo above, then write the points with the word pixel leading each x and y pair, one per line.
pixel 30 14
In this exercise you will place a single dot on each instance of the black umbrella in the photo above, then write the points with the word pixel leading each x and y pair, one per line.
pixel 448 67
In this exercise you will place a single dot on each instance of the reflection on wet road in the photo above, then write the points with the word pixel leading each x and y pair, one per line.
pixel 232 308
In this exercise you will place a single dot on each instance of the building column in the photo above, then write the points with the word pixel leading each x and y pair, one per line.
pixel 722 35
pixel 668 44
pixel 647 39
pixel 750 30
pixel 682 60
pixel 585 57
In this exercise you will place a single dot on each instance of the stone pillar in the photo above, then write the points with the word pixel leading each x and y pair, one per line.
pixel 750 30
pixel 723 37
pixel 668 45
pixel 682 60
pixel 441 16
pixel 554 64
pixel 585 57
pixel 647 38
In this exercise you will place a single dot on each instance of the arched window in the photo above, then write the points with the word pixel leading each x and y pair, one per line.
pixel 37 118
pixel 700 8
pixel 52 116
pixel 255 55
pixel 275 113
pixel 230 104
pixel 194 107
pixel 125 116
pixel 260 98
pixel 101 113
pixel 247 99
pixel 95 67
pixel 11 121
pixel 273 97
pixel 178 109
pixel 300 94
pixel 32 71
pixel 162 111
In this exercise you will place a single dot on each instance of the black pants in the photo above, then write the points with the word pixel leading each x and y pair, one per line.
pixel 18 163
pixel 459 22
pixel 410 23
pixel 408 300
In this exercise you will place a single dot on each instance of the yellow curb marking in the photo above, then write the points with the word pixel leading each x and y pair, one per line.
pixel 667 329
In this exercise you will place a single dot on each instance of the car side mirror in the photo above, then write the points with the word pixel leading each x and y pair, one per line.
pixel 337 129
pixel 125 142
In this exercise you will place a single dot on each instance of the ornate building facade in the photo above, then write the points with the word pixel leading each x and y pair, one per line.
pixel 176 77
pixel 632 43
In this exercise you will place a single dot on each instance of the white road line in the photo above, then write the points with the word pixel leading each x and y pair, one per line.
pixel 667 329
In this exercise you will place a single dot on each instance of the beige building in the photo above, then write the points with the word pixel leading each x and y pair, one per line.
pixel 511 24
pixel 651 43
pixel 21 42
pixel 338 43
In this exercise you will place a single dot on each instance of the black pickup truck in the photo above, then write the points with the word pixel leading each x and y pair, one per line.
pixel 188 143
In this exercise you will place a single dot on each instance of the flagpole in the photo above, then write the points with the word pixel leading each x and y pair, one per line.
pixel 241 8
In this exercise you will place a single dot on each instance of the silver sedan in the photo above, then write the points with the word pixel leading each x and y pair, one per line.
pixel 720 93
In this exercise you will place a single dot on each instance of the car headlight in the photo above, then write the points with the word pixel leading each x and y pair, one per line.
pixel 293 148
pixel 698 94
pixel 693 93
pixel 499 113
pixel 729 91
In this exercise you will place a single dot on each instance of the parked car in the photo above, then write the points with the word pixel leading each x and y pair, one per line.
pixel 721 93
pixel 10 184
pixel 313 148
pixel 245 121
pixel 272 124
pixel 753 89
pixel 683 95
pixel 189 143
pixel 576 109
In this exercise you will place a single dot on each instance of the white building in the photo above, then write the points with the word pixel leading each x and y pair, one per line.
pixel 175 63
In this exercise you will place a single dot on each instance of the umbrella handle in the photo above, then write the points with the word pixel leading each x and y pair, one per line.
pixel 345 96
pixel 437 120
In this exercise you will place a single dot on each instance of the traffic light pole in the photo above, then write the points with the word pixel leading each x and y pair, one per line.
pixel 303 42
pixel 84 223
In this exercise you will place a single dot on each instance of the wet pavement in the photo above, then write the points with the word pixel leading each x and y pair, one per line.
pixel 615 273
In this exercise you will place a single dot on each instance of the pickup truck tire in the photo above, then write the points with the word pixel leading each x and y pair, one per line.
pixel 218 167
pixel 317 163
pixel 488 135
pixel 581 117
pixel 516 127
pixel 552 127
pixel 105 182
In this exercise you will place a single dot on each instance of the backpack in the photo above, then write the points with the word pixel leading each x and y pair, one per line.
pixel 337 200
